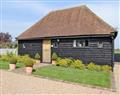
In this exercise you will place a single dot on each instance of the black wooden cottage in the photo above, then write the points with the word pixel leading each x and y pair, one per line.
pixel 75 33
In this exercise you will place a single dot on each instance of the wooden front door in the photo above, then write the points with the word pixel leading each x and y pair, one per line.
pixel 46 51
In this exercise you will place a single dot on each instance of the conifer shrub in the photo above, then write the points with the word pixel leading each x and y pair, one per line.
pixel 37 56
pixel 54 56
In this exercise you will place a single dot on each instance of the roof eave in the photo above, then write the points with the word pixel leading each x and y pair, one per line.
pixel 69 36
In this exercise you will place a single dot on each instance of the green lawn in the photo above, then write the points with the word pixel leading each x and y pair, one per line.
pixel 102 79
pixel 5 65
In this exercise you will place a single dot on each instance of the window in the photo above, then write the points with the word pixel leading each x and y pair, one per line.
pixel 80 43
pixel 100 44
pixel 74 43
pixel 23 46
pixel 86 43
pixel 55 44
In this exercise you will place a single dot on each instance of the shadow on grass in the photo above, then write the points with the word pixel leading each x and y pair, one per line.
pixel 34 70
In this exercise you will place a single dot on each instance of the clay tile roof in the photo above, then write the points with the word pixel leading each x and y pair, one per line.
pixel 68 22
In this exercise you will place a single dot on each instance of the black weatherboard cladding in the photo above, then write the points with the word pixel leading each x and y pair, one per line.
pixel 65 49
pixel 30 47
pixel 88 54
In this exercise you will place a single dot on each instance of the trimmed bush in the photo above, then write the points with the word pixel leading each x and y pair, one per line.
pixel 4 58
pixel 62 62
pixel 106 68
pixel 97 68
pixel 37 56
pixel 19 59
pixel 22 58
pixel 28 61
pixel 78 64
pixel 13 60
pixel 91 66
pixel 69 61
pixel 54 56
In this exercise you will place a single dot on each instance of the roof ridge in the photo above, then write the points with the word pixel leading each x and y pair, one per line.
pixel 69 8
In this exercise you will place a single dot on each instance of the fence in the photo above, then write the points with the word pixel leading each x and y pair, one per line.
pixel 4 51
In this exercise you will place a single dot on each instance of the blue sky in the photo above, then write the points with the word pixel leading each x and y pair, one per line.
pixel 19 15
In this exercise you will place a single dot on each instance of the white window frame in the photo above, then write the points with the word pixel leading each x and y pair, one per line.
pixel 23 45
pixel 100 44
pixel 80 43
pixel 74 43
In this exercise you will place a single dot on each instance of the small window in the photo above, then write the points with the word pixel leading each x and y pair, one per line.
pixel 23 46
pixel 55 45
pixel 74 43
pixel 100 44
pixel 80 43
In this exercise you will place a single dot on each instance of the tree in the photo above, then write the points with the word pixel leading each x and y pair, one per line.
pixel 5 37
pixel 5 40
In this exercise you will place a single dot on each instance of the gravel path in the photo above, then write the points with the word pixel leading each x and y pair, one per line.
pixel 117 77
pixel 13 83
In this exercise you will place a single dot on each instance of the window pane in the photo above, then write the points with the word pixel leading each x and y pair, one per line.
pixel 55 45
pixel 100 44
pixel 23 45
pixel 86 42
pixel 74 43
pixel 80 43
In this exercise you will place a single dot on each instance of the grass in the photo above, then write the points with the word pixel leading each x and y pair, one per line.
pixel 95 78
pixel 5 65
pixel 117 51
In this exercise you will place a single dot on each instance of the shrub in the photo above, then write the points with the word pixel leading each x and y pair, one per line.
pixel 57 61
pixel 54 56
pixel 22 58
pixel 91 66
pixel 13 60
pixel 62 62
pixel 4 58
pixel 37 56
pixel 19 59
pixel 69 61
pixel 28 61
pixel 106 68
pixel 97 68
pixel 78 64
